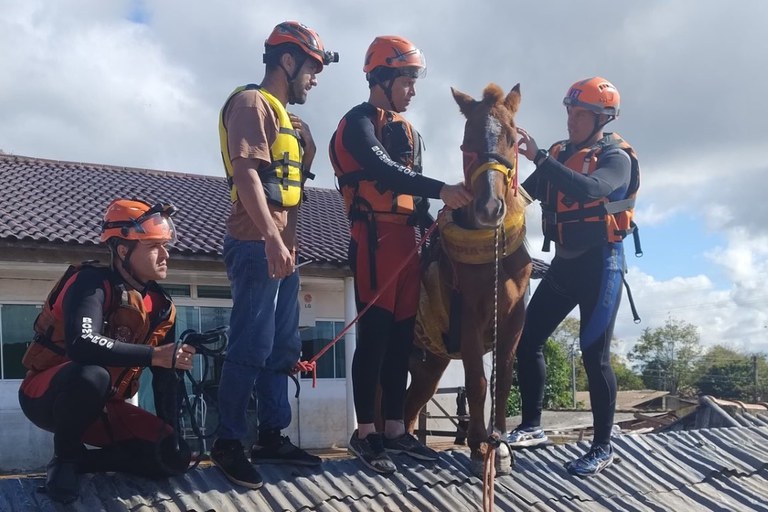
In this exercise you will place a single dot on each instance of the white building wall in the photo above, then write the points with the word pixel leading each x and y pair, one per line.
pixel 321 416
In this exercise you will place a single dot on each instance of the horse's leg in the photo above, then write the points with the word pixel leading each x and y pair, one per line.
pixel 475 380
pixel 518 267
pixel 509 337
pixel 426 369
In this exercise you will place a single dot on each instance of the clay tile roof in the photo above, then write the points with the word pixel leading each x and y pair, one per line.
pixel 62 202
pixel 57 202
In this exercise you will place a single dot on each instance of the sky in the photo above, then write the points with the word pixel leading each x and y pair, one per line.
pixel 140 82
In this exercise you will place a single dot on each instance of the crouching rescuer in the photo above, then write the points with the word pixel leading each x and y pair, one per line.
pixel 98 329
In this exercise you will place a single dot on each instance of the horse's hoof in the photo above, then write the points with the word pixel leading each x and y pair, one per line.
pixel 504 460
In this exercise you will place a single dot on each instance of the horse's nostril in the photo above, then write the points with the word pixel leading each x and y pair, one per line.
pixel 490 212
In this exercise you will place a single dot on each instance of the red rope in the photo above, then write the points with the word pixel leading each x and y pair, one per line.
pixel 517 169
pixel 306 366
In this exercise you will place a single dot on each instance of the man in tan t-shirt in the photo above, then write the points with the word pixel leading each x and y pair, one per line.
pixel 267 153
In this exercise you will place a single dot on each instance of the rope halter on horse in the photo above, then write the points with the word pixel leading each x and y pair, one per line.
pixel 491 162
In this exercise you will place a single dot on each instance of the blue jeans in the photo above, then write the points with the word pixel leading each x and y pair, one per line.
pixel 264 343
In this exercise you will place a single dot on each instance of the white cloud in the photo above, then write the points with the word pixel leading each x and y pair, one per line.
pixel 83 82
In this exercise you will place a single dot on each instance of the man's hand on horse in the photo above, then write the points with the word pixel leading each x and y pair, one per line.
pixel 526 144
pixel 455 196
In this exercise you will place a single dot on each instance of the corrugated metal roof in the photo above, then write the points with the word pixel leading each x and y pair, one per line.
pixel 712 469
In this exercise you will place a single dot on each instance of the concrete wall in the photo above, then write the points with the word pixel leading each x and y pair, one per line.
pixel 23 446
pixel 320 417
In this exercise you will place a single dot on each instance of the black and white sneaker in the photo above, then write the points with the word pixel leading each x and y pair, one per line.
pixel 371 452
pixel 524 437
pixel 593 462
pixel 411 446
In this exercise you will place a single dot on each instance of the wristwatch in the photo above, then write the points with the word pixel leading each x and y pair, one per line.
pixel 541 155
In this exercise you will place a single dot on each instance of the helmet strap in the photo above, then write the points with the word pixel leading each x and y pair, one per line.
pixel 386 86
pixel 598 126
pixel 299 60
pixel 123 265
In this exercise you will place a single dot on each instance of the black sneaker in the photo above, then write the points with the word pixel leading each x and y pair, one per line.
pixel 229 456
pixel 409 445
pixel 61 480
pixel 283 452
pixel 371 452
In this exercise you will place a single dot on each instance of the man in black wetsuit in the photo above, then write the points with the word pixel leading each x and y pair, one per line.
pixel 99 327
pixel 587 186
pixel 376 155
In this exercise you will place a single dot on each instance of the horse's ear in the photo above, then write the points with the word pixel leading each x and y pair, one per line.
pixel 512 101
pixel 465 102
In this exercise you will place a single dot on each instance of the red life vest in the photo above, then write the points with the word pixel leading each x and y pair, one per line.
pixel 578 225
pixel 364 198
pixel 125 319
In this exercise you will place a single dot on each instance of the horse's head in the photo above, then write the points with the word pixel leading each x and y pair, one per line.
pixel 490 159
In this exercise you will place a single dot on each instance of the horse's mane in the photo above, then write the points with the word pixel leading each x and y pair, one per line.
pixel 492 94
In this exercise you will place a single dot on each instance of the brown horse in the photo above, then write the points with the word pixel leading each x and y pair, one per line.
pixel 481 247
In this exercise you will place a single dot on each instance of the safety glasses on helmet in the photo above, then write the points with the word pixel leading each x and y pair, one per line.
pixel 154 224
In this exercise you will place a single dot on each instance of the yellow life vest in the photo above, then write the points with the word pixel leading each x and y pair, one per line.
pixel 283 178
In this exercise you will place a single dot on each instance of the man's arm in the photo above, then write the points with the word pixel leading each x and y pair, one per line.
pixel 83 308
pixel 251 129
pixel 613 173
pixel 359 138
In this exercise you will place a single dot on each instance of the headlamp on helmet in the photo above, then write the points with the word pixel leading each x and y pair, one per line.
pixel 295 34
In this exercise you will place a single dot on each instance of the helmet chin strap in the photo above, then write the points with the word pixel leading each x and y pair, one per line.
pixel 387 88
pixel 123 266
pixel 598 126
pixel 291 77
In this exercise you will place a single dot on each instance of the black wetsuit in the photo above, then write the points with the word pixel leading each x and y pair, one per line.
pixel 73 400
pixel 386 330
pixel 589 278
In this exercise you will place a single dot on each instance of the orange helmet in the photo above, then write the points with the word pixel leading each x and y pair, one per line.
pixel 302 36
pixel 596 94
pixel 396 53
pixel 133 219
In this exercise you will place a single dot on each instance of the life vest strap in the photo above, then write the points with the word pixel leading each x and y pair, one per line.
pixel 601 210
pixel 47 343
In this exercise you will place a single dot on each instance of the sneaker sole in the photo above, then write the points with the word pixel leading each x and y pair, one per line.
pixel 369 465
pixel 414 455
pixel 249 485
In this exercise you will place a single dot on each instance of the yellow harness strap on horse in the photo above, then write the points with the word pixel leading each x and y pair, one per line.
pixel 470 246
pixel 476 246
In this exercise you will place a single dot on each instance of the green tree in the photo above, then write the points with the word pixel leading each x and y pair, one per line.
pixel 567 336
pixel 626 378
pixel 667 355
pixel 557 392
pixel 727 373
